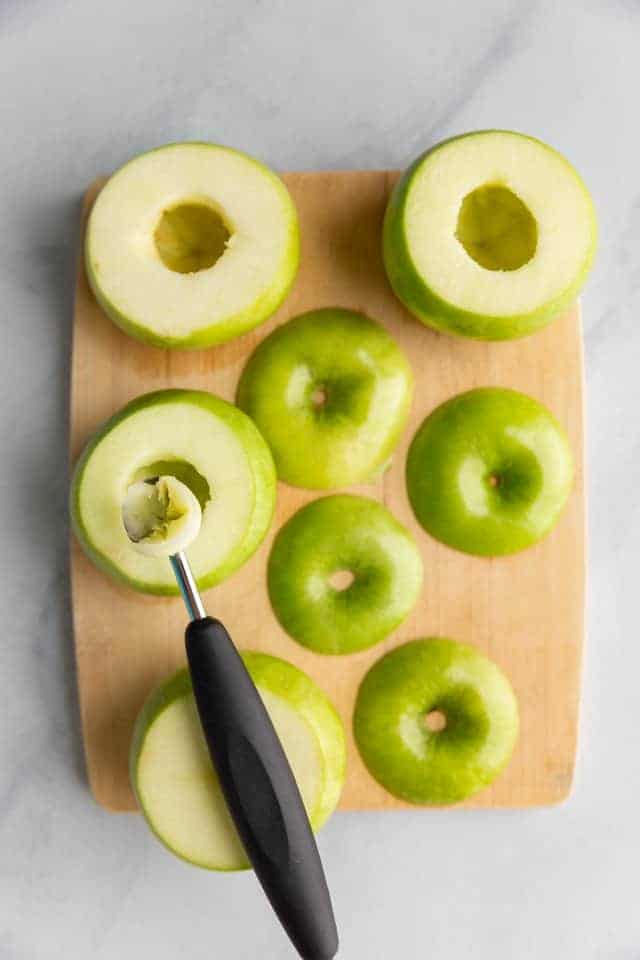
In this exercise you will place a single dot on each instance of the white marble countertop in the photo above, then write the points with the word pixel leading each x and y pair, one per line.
pixel 86 84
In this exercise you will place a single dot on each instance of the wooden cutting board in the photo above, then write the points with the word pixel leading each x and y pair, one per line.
pixel 526 611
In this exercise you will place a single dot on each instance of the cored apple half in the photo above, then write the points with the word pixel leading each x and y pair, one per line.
pixel 210 446
pixel 191 244
pixel 489 235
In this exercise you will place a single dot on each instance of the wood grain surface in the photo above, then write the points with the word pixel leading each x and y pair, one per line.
pixel 526 611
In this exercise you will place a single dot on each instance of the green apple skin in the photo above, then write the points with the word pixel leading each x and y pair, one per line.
pixel 263 474
pixel 285 680
pixel 367 384
pixel 299 691
pixel 343 533
pixel 489 472
pixel 427 306
pixel 257 313
pixel 445 766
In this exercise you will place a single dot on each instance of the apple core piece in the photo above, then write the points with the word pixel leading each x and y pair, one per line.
pixel 161 516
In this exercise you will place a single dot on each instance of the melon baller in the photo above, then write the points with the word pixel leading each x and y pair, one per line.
pixel 254 773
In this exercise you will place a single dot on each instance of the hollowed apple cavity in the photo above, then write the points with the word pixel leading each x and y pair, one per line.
pixel 496 228
pixel 191 236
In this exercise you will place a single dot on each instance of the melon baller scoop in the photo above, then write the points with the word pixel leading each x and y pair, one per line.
pixel 162 517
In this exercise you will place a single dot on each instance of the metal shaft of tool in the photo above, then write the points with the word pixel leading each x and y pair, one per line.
pixel 188 586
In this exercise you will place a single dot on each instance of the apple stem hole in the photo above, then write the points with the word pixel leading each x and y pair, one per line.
pixel 341 580
pixel 319 397
pixel 494 480
pixel 435 721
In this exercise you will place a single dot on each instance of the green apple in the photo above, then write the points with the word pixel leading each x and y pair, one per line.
pixel 174 781
pixel 330 391
pixel 191 244
pixel 435 721
pixel 489 472
pixel 342 574
pixel 489 235
pixel 204 442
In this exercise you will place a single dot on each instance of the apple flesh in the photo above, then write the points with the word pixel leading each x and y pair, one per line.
pixel 208 445
pixel 330 391
pixel 342 574
pixel 174 781
pixel 489 472
pixel 489 235
pixel 161 515
pixel 435 721
pixel 191 244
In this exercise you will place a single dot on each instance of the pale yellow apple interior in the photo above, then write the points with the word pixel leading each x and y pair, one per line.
pixel 542 230
pixel 179 790
pixel 187 434
pixel 187 236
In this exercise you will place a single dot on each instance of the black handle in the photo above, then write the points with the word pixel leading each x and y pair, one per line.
pixel 260 790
